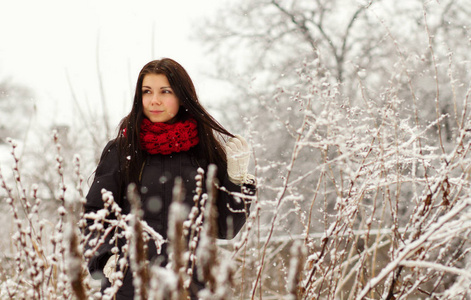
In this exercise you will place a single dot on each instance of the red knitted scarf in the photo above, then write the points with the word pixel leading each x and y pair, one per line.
pixel 168 138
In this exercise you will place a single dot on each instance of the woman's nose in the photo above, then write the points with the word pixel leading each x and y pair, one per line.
pixel 156 100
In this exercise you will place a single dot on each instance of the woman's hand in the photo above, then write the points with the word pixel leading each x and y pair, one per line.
pixel 238 156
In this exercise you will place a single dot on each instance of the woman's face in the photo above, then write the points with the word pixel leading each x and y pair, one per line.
pixel 158 99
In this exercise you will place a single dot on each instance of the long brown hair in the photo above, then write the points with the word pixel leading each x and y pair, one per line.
pixel 208 148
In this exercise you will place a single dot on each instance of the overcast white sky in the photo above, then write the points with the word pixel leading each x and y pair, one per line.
pixel 41 40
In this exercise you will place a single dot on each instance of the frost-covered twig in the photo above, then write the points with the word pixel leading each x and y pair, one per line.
pixel 404 252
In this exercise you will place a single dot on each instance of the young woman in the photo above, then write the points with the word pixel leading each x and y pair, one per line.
pixel 168 134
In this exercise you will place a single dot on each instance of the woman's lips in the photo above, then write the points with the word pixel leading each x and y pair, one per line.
pixel 155 111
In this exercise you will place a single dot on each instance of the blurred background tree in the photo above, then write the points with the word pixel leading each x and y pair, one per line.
pixel 17 108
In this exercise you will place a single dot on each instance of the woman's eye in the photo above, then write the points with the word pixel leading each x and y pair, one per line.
pixel 146 91
pixel 166 91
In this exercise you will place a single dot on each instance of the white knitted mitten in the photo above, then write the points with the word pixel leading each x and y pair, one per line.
pixel 238 156
pixel 110 266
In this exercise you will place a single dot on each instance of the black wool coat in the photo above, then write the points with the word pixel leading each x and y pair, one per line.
pixel 156 185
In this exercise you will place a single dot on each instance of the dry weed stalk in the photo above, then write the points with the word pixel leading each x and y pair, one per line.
pixel 207 250
pixel 76 269
pixel 194 225
pixel 296 271
pixel 138 250
pixel 216 273
pixel 177 246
